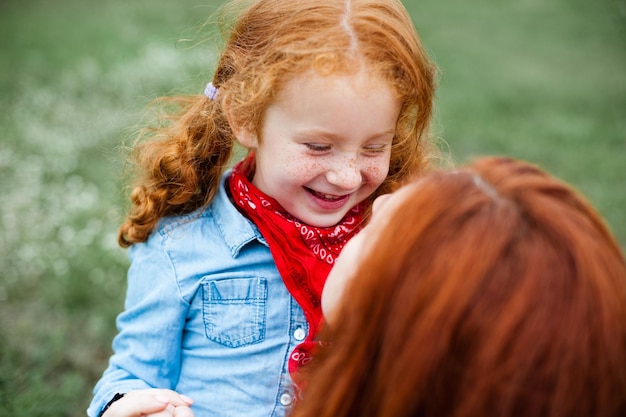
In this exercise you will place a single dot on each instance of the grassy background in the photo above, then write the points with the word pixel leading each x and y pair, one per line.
pixel 544 81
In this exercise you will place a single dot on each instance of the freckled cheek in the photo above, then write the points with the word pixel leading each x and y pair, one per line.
pixel 376 172
pixel 303 171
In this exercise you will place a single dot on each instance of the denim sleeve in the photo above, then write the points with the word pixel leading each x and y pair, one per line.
pixel 147 348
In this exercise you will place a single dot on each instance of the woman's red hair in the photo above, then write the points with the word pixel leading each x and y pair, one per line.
pixel 495 290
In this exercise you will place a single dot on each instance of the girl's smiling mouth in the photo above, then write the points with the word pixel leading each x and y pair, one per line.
pixel 327 197
pixel 328 201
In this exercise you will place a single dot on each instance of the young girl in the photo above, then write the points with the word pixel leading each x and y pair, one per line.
pixel 333 99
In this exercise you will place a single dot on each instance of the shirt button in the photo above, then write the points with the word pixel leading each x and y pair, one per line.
pixel 299 334
pixel 285 399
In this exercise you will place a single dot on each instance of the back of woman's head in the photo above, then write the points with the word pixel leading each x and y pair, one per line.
pixel 273 41
pixel 495 290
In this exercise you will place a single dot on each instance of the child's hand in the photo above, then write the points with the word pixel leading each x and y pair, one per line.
pixel 151 403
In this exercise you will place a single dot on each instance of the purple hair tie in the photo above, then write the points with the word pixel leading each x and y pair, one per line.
pixel 210 91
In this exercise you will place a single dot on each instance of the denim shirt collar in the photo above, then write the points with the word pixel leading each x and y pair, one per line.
pixel 236 229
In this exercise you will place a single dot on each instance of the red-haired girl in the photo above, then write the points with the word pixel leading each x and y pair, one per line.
pixel 333 99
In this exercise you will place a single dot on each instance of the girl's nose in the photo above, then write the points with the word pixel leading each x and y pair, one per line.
pixel 346 174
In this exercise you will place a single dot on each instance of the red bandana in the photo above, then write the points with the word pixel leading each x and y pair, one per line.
pixel 303 254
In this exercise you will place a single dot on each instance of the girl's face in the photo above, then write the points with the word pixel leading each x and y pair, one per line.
pixel 325 144
pixel 358 248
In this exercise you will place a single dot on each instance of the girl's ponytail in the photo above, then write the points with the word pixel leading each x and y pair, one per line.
pixel 180 167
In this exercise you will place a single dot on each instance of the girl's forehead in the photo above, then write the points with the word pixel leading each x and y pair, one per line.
pixel 360 79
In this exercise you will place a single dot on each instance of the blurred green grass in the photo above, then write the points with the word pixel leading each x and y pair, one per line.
pixel 543 81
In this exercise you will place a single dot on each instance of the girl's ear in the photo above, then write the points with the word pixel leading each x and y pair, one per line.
pixel 246 137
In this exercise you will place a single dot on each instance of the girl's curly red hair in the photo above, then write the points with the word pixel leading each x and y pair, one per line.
pixel 270 42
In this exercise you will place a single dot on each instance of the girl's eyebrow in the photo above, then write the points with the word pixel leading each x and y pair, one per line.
pixel 313 132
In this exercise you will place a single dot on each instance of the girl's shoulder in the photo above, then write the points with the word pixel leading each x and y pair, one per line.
pixel 199 218
pixel 181 237
pixel 219 226
pixel 219 223
pixel 170 224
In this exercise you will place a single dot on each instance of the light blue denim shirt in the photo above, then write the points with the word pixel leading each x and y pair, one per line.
pixel 207 315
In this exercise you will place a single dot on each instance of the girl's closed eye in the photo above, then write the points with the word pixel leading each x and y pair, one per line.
pixel 317 147
pixel 376 149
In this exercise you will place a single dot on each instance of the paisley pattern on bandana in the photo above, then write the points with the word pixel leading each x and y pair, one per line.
pixel 303 254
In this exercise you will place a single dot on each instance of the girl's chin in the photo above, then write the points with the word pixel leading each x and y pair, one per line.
pixel 321 220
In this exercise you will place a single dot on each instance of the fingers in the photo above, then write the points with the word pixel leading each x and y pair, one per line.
pixel 173 411
pixel 167 412
pixel 183 411
pixel 137 405
pixel 153 402
pixel 173 397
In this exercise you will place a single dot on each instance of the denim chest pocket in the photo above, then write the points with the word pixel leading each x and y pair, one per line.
pixel 234 310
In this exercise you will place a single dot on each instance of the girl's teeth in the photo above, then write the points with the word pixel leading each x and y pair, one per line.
pixel 328 196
